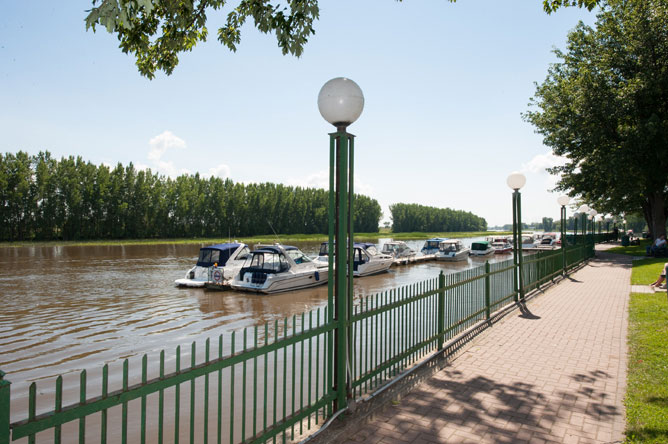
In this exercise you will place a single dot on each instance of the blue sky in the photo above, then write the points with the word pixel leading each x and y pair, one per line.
pixel 444 87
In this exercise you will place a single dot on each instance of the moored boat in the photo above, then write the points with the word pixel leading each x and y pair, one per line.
pixel 452 250
pixel 366 259
pixel 432 246
pixel 481 248
pixel 277 268
pixel 227 259
pixel 502 247
pixel 398 250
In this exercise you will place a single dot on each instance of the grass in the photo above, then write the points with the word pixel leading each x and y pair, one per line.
pixel 646 271
pixel 647 389
pixel 284 238
pixel 632 250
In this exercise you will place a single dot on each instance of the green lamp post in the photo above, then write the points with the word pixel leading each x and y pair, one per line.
pixel 516 181
pixel 563 201
pixel 593 213
pixel 340 102
pixel 583 219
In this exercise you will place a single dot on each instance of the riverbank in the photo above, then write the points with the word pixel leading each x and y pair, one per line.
pixel 264 239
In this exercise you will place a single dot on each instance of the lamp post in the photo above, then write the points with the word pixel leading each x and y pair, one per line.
pixel 340 102
pixel 563 201
pixel 593 213
pixel 583 211
pixel 516 181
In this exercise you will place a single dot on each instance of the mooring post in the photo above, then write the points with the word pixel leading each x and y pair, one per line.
pixel 4 409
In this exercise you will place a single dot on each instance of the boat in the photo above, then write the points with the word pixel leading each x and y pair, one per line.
pixel 366 259
pixel 277 268
pixel 502 247
pixel 432 246
pixel 549 241
pixel 481 248
pixel 398 250
pixel 226 259
pixel 452 250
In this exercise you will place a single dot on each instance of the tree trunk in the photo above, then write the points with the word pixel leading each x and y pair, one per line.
pixel 657 209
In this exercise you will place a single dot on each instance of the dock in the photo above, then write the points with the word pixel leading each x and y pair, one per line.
pixel 414 259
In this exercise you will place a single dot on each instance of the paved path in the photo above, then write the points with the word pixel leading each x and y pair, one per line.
pixel 556 373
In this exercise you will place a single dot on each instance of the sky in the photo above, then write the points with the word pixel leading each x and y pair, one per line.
pixel 444 83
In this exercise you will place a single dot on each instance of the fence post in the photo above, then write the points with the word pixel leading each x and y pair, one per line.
pixel 441 310
pixel 487 290
pixel 4 408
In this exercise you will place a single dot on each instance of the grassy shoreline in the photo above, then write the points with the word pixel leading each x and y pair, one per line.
pixel 646 397
pixel 249 240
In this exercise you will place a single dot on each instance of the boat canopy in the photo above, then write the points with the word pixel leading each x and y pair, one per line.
pixel 216 254
pixel 433 242
pixel 480 246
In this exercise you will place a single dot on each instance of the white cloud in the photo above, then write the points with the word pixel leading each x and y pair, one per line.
pixel 222 171
pixel 162 142
pixel 542 161
pixel 158 147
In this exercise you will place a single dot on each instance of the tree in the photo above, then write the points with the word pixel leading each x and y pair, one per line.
pixel 604 107
pixel 157 31
pixel 548 224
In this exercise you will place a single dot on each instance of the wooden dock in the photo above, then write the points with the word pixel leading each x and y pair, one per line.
pixel 415 259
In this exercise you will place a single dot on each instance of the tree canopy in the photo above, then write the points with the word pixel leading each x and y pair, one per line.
pixel 408 218
pixel 604 107
pixel 157 31
pixel 42 198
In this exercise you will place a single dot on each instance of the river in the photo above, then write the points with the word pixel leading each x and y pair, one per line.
pixel 70 308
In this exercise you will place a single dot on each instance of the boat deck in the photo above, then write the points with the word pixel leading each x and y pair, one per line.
pixel 414 259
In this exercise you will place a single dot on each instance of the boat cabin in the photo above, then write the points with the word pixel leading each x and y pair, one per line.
pixel 220 254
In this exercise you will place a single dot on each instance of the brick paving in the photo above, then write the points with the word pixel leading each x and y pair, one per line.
pixel 554 373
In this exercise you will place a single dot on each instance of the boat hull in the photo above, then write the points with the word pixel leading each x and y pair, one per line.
pixel 460 256
pixel 278 283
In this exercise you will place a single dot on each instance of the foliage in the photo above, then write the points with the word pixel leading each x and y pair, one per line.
pixel 45 199
pixel 646 271
pixel 647 389
pixel 157 31
pixel 414 217
pixel 603 108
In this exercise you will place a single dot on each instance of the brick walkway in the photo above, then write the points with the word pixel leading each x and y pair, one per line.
pixel 555 373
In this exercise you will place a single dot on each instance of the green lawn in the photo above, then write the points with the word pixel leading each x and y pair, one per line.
pixel 647 391
pixel 645 271
pixel 633 250
pixel 284 238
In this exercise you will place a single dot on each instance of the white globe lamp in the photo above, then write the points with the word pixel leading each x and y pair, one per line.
pixel 340 102
pixel 516 180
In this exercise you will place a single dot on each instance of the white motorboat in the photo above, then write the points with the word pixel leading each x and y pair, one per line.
pixel 366 259
pixel 502 247
pixel 432 246
pixel 398 250
pixel 276 268
pixel 528 241
pixel 225 260
pixel 549 241
pixel 481 248
pixel 452 250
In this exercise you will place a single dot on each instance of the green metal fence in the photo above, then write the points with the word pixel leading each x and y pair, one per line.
pixel 274 382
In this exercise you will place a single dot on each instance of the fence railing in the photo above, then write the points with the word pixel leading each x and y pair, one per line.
pixel 275 381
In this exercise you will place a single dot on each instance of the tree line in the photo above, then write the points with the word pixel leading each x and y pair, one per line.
pixel 414 217
pixel 42 198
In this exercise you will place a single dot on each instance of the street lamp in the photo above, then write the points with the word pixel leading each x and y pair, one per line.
pixel 516 181
pixel 340 102
pixel 583 211
pixel 592 218
pixel 563 201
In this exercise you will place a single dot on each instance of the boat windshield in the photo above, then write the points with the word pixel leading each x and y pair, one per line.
pixel 449 247
pixel 298 257
pixel 431 244
pixel 323 249
pixel 265 261
pixel 479 246
pixel 371 250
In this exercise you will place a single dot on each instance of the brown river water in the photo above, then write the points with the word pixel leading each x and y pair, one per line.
pixel 65 309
